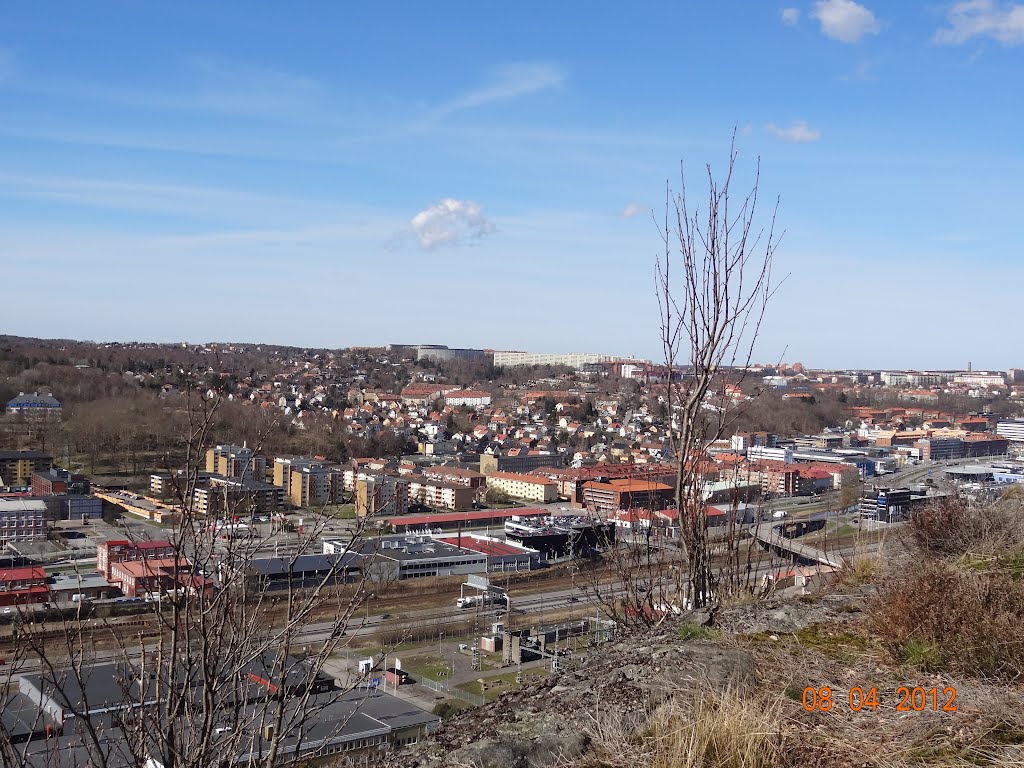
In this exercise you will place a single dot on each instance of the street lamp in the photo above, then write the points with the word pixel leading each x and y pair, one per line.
pixel 440 653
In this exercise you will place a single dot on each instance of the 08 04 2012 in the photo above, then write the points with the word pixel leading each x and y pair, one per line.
pixel 906 699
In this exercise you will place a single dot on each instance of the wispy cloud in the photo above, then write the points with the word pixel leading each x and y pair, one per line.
pixel 790 16
pixel 631 210
pixel 509 82
pixel 845 20
pixel 237 87
pixel 194 201
pixel 864 72
pixel 798 133
pixel 6 64
pixel 202 84
pixel 450 222
pixel 1002 22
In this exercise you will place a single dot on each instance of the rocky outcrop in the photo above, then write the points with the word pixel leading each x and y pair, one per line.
pixel 546 723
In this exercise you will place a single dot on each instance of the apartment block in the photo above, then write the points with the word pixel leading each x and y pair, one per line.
pixel 237 497
pixel 436 495
pixel 455 476
pixel 527 487
pixel 17 467
pixel 381 495
pixel 236 461
pixel 505 359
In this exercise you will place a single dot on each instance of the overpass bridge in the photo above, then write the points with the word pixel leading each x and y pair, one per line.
pixel 801 553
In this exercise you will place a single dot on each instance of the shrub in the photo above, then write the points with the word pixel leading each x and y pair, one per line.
pixel 942 617
pixel 954 526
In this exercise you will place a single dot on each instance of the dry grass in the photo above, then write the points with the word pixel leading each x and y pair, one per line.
pixel 862 568
pixel 713 730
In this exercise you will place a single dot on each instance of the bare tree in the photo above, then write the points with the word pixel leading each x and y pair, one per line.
pixel 714 282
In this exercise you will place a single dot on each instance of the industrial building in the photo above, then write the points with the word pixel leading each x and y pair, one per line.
pixel 302 571
pixel 625 493
pixel 577 537
pixel 44 713
pixel 450 521
pixel 501 555
pixel 412 557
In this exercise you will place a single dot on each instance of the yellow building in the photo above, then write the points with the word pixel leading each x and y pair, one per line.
pixel 236 461
pixel 17 467
pixel 528 487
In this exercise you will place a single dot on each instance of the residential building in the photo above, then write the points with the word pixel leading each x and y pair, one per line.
pixel 507 359
pixel 1012 430
pixel 467 397
pixel 437 495
pixel 34 405
pixel 309 484
pixel 455 476
pixel 237 497
pixel 981 379
pixel 166 485
pixel 17 467
pixel 527 487
pixel 236 461
pixel 381 495
pixel 22 520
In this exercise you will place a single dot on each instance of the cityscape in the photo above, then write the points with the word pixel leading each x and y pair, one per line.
pixel 536 386
pixel 503 488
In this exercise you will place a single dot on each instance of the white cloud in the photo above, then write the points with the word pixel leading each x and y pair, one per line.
pixel 845 20
pixel 631 210
pixel 798 133
pixel 790 16
pixel 450 222
pixel 1002 22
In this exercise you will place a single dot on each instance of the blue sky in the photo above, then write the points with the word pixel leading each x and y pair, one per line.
pixel 484 175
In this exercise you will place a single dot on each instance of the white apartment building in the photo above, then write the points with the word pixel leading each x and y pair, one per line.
pixel 981 379
pixel 1011 430
pixel 467 397
pixel 755 452
pixel 508 359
